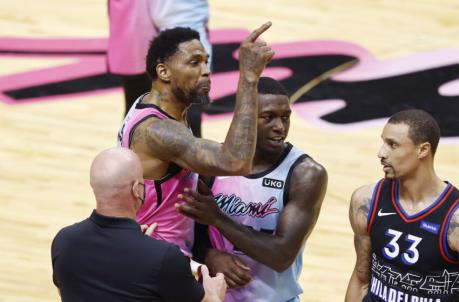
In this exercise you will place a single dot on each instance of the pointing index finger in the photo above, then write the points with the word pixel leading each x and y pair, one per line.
pixel 257 32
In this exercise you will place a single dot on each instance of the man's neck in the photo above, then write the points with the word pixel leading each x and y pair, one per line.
pixel 424 187
pixel 264 160
pixel 162 97
pixel 115 212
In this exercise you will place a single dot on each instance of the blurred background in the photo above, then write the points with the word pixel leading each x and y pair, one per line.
pixel 348 65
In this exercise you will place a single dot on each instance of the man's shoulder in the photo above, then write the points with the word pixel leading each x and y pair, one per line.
pixel 73 229
pixel 362 195
pixel 149 244
pixel 309 169
pixel 69 234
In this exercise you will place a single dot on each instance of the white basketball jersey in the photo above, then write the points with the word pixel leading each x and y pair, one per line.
pixel 256 201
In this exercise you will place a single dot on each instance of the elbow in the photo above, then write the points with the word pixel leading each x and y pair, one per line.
pixel 240 167
pixel 245 169
pixel 281 263
pixel 282 266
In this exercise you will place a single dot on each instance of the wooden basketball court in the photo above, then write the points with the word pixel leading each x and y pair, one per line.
pixel 46 147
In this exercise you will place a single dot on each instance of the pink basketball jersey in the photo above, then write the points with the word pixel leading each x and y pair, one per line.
pixel 161 194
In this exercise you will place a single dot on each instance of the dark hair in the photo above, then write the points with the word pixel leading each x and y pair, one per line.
pixel 166 45
pixel 422 126
pixel 268 85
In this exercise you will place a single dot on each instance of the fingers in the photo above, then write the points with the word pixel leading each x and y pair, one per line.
pixel 193 197
pixel 203 188
pixel 241 273
pixel 203 271
pixel 151 229
pixel 188 198
pixel 261 43
pixel 257 32
pixel 220 278
pixel 241 265
pixel 231 283
pixel 148 230
pixel 234 280
pixel 187 211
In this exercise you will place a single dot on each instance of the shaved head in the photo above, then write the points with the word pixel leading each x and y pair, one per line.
pixel 112 176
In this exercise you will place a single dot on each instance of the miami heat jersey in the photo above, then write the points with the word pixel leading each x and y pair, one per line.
pixel 256 201
pixel 161 195
pixel 411 260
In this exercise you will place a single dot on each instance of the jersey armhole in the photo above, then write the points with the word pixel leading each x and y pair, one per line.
pixel 374 205
pixel 289 176
pixel 446 252
pixel 131 132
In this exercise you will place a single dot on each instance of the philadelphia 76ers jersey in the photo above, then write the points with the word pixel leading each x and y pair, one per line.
pixel 411 260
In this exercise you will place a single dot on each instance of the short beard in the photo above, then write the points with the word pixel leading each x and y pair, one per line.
pixel 203 100
pixel 193 97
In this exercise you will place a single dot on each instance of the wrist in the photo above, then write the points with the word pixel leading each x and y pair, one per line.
pixel 211 297
pixel 249 77
pixel 219 220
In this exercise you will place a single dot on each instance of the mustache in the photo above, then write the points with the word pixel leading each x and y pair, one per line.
pixel 384 163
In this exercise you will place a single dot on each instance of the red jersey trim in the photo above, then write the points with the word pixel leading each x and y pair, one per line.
pixel 416 218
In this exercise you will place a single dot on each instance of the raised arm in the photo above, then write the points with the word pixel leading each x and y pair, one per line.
pixel 358 216
pixel 278 251
pixel 172 141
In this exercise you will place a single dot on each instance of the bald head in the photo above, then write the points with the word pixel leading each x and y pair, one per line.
pixel 113 173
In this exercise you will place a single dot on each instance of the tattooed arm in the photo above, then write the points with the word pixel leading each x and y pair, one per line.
pixel 358 216
pixel 453 232
pixel 169 140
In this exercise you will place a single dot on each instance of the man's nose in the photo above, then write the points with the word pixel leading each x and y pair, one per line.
pixel 382 152
pixel 205 69
pixel 278 125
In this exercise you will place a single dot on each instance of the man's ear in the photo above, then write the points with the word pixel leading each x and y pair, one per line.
pixel 135 189
pixel 424 149
pixel 163 72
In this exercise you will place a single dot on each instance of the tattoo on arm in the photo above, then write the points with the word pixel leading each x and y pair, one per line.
pixel 241 136
pixel 359 214
pixel 172 141
pixel 364 208
pixel 453 233
pixel 362 245
pixel 137 138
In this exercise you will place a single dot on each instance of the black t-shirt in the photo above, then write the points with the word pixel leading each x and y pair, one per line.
pixel 110 259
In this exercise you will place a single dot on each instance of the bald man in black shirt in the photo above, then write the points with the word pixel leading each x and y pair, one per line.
pixel 107 257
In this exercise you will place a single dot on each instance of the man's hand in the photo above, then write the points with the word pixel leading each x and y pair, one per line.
pixel 237 273
pixel 199 206
pixel 214 287
pixel 148 229
pixel 253 55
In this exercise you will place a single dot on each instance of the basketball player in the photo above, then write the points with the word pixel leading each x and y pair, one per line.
pixel 156 129
pixel 132 26
pixel 406 231
pixel 264 218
